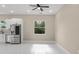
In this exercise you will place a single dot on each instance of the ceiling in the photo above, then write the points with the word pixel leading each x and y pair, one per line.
pixel 26 9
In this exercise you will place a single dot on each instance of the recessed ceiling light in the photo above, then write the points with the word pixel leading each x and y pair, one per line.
pixel 3 6
pixel 11 11
pixel 50 11
pixel 28 10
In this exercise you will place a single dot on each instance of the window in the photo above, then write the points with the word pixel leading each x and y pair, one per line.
pixel 39 27
pixel 2 24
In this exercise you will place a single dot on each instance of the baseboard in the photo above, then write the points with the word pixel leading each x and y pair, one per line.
pixel 39 41
pixel 63 48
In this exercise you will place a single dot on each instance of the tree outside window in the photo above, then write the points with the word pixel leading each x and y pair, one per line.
pixel 39 27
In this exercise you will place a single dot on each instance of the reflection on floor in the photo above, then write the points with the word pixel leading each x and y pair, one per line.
pixel 41 48
pixel 28 48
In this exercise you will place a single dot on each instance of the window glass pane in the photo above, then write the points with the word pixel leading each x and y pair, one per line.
pixel 39 27
pixel 39 30
pixel 2 24
pixel 39 24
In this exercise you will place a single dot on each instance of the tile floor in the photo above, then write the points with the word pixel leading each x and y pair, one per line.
pixel 30 48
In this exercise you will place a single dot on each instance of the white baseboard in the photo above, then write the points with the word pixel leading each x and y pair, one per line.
pixel 63 48
pixel 39 41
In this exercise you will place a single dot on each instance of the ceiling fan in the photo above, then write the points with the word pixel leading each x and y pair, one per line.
pixel 39 6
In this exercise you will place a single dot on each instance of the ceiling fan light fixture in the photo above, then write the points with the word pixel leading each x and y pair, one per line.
pixel 38 8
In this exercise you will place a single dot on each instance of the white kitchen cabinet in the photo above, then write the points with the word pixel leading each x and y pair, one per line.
pixel 13 39
pixel 2 38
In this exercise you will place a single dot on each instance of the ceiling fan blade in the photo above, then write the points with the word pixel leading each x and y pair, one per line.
pixel 33 5
pixel 44 6
pixel 35 8
pixel 41 9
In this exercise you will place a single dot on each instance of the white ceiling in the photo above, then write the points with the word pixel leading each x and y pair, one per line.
pixel 25 9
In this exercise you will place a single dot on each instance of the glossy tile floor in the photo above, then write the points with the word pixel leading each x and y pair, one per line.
pixel 30 48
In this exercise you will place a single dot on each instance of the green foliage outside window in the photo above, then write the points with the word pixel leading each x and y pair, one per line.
pixel 2 24
pixel 39 27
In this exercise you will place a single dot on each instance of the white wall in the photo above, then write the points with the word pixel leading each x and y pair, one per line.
pixel 67 28
pixel 28 24
pixel 49 26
